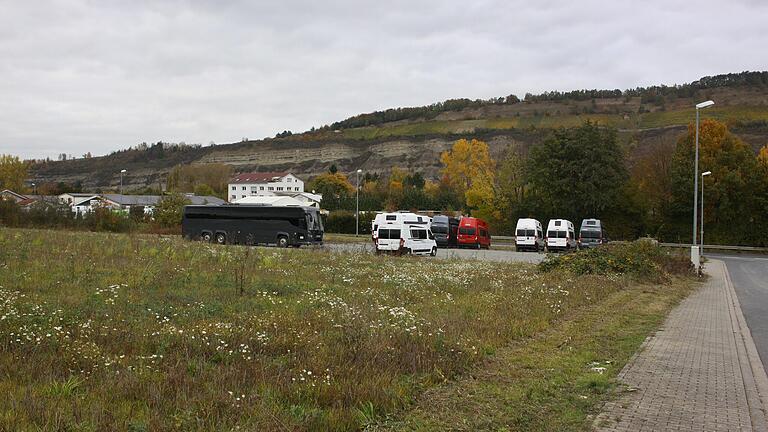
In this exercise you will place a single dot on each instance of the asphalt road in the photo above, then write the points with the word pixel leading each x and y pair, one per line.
pixel 749 274
pixel 498 255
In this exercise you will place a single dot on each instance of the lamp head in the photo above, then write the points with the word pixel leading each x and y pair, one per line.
pixel 359 171
pixel 122 171
pixel 706 173
pixel 704 104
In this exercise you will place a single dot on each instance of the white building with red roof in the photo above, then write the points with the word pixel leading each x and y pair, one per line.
pixel 265 183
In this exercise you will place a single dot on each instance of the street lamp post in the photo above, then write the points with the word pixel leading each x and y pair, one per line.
pixel 695 251
pixel 121 181
pixel 701 237
pixel 34 189
pixel 357 204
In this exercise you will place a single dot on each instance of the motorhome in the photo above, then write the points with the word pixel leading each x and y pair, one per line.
pixel 398 218
pixel 592 233
pixel 446 229
pixel 561 235
pixel 473 232
pixel 399 239
pixel 529 235
pixel 253 224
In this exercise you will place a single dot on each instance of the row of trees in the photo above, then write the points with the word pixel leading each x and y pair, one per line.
pixel 584 172
pixel 652 94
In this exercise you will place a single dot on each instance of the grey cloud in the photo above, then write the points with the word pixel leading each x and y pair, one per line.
pixel 81 76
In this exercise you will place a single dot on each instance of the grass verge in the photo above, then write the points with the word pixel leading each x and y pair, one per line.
pixel 556 381
pixel 115 332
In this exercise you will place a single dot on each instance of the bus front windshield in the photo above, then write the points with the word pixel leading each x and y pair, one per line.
pixel 314 222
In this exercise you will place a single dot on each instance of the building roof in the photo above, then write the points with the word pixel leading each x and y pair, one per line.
pixel 149 200
pixel 16 196
pixel 153 200
pixel 281 201
pixel 307 195
pixel 257 177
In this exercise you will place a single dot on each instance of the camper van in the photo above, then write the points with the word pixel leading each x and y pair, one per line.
pixel 529 236
pixel 445 229
pixel 561 235
pixel 407 218
pixel 473 232
pixel 399 239
pixel 592 233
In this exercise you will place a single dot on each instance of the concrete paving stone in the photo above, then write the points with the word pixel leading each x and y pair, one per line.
pixel 695 373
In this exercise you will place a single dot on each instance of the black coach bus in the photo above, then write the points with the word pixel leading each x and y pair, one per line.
pixel 253 224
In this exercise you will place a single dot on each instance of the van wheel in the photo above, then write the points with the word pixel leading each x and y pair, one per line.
pixel 206 237
pixel 434 252
pixel 221 238
pixel 282 241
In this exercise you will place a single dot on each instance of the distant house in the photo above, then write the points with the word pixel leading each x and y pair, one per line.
pixel 27 201
pixel 267 183
pixel 125 202
pixel 308 199
pixel 71 197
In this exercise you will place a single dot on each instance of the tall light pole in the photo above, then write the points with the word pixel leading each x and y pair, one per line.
pixel 701 237
pixel 34 189
pixel 695 252
pixel 357 204
pixel 121 181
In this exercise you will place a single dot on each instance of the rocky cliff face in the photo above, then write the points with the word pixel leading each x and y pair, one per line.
pixel 304 158
pixel 416 145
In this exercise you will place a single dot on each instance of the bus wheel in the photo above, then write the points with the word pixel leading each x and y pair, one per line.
pixel 282 241
pixel 221 238
pixel 206 237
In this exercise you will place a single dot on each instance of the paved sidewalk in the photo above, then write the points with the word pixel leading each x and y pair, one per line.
pixel 700 372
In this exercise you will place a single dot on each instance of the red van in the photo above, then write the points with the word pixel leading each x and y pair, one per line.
pixel 473 232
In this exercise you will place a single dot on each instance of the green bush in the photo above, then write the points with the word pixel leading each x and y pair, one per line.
pixel 641 259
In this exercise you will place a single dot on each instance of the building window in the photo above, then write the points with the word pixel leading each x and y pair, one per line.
pixel 243 187
pixel 271 188
pixel 288 179
pixel 234 196
pixel 297 189
pixel 234 187
pixel 243 196
pixel 261 188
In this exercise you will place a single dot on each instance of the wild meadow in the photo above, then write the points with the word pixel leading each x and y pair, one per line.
pixel 116 332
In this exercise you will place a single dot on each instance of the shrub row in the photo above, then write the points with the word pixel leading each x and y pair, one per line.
pixel 641 259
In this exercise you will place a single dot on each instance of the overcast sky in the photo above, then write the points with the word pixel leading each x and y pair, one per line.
pixel 80 76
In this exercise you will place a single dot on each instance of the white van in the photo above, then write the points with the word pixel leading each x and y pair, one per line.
pixel 561 235
pixel 529 235
pixel 405 239
pixel 398 218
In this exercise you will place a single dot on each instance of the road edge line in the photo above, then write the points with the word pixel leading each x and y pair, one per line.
pixel 759 376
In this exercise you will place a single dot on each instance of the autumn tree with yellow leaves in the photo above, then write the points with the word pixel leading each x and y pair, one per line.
pixel 13 173
pixel 470 170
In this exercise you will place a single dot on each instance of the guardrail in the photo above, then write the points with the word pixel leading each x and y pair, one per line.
pixel 503 239
pixel 718 247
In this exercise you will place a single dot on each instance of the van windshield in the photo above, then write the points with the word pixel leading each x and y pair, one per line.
pixel 557 234
pixel 440 229
pixel 467 231
pixel 526 233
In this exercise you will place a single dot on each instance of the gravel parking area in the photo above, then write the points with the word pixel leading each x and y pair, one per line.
pixel 498 255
